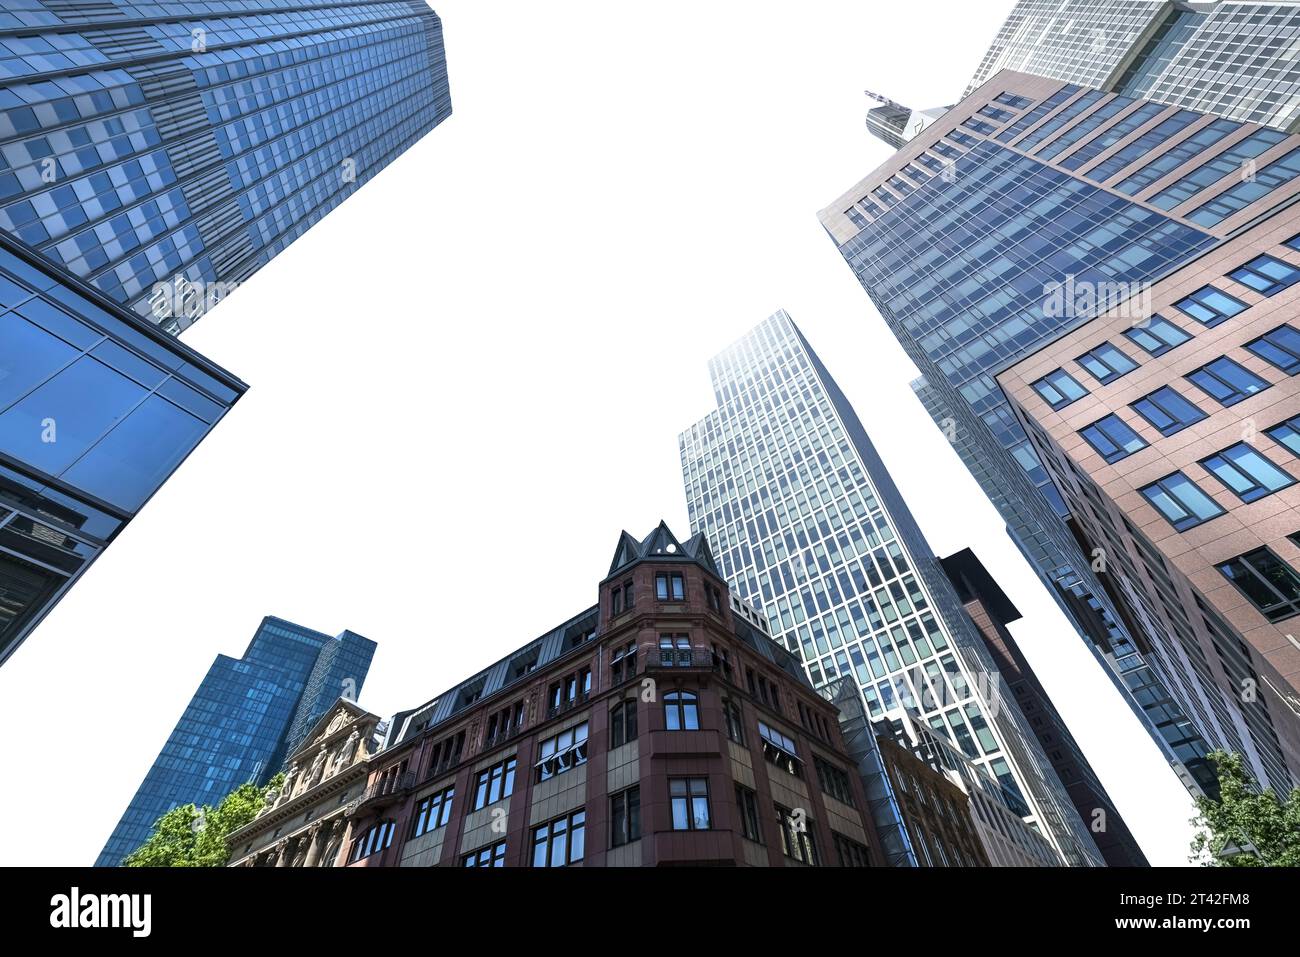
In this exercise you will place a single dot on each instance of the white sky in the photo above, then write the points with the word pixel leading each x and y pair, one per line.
pixel 468 379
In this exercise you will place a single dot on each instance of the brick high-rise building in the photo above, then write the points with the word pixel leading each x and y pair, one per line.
pixel 1177 455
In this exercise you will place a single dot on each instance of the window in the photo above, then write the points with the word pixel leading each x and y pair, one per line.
pixel 734 718
pixel 1181 501
pixel 833 780
pixel 446 754
pixel 715 598
pixel 722 661
pixel 1210 306
pixel 796 836
pixel 565 694
pixel 1247 190
pixel 1287 435
pixel 502 724
pixel 674 650
pixel 563 752
pixel 375 838
pixel 1156 336
pixel 1106 363
pixel 1279 347
pixel 617 607
pixel 670 586
pixel 1167 410
pixel 1113 438
pixel 1058 389
pixel 623 664
pixel 1266 275
pixel 1270 583
pixel 625 817
pixel 850 853
pixel 494 855
pixel 561 842
pixel 779 749
pixel 689 798
pixel 1227 381
pixel 433 812
pixel 747 805
pixel 681 711
pixel 494 783
pixel 1247 472
pixel 622 723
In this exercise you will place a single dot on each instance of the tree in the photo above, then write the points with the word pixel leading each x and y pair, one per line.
pixel 1246 826
pixel 190 836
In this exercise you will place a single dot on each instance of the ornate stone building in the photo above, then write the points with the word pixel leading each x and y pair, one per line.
pixel 305 823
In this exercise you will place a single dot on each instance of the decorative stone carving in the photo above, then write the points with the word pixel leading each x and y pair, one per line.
pixel 340 719
pixel 317 767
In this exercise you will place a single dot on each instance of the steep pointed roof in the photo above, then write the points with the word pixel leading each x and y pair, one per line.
pixel 662 544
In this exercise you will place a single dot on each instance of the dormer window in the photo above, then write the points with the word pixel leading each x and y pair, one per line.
pixel 670 586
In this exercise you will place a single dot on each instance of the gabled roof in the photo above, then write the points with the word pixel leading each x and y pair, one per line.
pixel 326 717
pixel 661 544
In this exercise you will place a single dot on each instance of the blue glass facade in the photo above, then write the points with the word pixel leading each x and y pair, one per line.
pixel 151 147
pixel 238 726
pixel 97 409
pixel 964 268
pixel 807 523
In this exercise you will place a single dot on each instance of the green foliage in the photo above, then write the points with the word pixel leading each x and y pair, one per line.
pixel 188 836
pixel 1255 828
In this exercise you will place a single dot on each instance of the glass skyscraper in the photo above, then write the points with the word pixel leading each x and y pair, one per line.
pixel 1232 58
pixel 164 151
pixel 246 716
pixel 97 410
pixel 807 524
pixel 970 239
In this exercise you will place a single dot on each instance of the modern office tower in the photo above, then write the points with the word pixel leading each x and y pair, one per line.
pixel 236 728
pixel 1224 57
pixel 992 611
pixel 894 123
pixel 1006 223
pixel 1180 466
pixel 808 523
pixel 165 151
pixel 659 727
pixel 97 410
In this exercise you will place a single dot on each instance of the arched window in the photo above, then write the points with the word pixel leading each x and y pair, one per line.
pixel 681 711
pixel 622 723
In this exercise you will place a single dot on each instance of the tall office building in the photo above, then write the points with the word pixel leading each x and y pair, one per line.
pixel 247 714
pixel 807 523
pixel 895 123
pixel 97 410
pixel 1180 465
pixel 164 151
pixel 1230 58
pixel 992 611
pixel 1012 219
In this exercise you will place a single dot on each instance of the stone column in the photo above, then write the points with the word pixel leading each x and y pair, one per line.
pixel 314 842
pixel 282 854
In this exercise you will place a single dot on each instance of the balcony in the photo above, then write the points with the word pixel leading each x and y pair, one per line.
pixel 387 790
